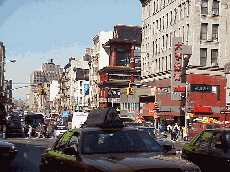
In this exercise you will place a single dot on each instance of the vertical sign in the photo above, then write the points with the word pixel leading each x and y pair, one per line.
pixel 178 50
pixel 86 87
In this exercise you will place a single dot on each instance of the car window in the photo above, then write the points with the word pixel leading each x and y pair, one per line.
pixel 74 140
pixel 204 139
pixel 63 141
pixel 216 139
pixel 118 141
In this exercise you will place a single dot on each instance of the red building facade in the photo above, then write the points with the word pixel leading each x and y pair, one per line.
pixel 206 97
pixel 124 64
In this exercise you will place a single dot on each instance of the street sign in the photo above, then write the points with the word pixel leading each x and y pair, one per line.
pixel 191 101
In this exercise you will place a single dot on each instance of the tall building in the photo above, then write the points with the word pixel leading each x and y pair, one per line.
pixel 42 78
pixel 124 65
pixel 70 90
pixel 2 79
pixel 99 59
pixel 201 25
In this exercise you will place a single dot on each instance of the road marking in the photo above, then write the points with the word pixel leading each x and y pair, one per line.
pixel 25 155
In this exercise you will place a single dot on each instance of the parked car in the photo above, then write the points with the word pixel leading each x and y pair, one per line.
pixel 8 152
pixel 167 145
pixel 13 129
pixel 60 130
pixel 210 150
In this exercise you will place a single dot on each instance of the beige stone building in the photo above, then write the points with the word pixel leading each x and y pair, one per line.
pixel 203 24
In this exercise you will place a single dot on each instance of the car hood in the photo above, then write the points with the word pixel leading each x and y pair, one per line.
pixel 3 144
pixel 138 161
pixel 164 142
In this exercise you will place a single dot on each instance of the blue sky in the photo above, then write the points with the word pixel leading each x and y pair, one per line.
pixel 34 31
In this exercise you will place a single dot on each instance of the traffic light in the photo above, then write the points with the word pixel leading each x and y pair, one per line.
pixel 131 91
pixel 127 91
pixel 155 105
pixel 40 90
pixel 43 91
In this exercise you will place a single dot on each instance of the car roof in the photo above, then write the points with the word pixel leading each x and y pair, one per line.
pixel 102 129
pixel 218 129
pixel 144 127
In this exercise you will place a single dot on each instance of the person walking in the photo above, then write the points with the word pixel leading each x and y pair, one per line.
pixel 30 131
pixel 41 131
pixel 174 132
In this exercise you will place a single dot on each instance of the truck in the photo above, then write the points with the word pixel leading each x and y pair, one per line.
pixel 79 119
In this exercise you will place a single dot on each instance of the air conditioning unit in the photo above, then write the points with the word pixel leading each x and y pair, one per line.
pixel 214 64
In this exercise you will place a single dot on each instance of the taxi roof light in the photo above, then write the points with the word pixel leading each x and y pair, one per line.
pixel 104 117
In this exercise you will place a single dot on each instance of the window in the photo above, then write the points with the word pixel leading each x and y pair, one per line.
pixel 204 27
pixel 153 47
pixel 214 55
pixel 167 19
pixel 166 41
pixel 159 65
pixel 153 28
pixel 160 24
pixel 157 25
pixel 166 63
pixel 204 7
pixel 204 140
pixel 163 62
pixel 203 56
pixel 175 13
pixel 171 16
pixel 215 31
pixel 215 8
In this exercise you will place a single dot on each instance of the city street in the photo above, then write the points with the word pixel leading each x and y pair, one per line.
pixel 29 153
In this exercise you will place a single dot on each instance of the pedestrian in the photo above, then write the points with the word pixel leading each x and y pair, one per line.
pixel 174 133
pixel 54 133
pixel 30 131
pixel 41 131
pixel 169 128
pixel 4 132
pixel 160 128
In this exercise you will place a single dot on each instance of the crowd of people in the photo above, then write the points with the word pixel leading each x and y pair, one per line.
pixel 174 130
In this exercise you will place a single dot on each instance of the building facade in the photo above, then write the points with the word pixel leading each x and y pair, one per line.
pixel 42 79
pixel 202 26
pixel 70 85
pixel 124 64
pixel 99 59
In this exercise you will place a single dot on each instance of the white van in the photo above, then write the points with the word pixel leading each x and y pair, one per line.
pixel 79 119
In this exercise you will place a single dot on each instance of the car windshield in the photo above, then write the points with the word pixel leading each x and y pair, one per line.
pixel 152 132
pixel 15 125
pixel 111 141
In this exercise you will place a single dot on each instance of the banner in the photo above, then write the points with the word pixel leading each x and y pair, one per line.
pixel 86 87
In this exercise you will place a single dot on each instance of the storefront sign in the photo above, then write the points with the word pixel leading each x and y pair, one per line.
pixel 178 52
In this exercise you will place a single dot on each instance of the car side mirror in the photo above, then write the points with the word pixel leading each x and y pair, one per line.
pixel 70 151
